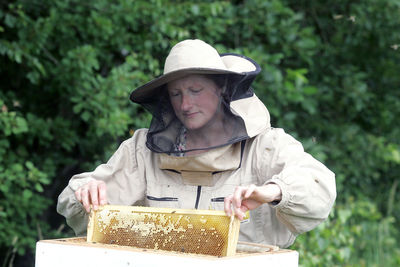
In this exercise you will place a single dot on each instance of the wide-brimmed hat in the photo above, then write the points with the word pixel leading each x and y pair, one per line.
pixel 196 57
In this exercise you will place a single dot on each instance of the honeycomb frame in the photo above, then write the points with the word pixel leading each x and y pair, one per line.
pixel 207 232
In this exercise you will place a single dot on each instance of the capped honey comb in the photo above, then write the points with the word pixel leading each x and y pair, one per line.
pixel 206 232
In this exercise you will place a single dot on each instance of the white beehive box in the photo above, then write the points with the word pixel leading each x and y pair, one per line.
pixel 76 252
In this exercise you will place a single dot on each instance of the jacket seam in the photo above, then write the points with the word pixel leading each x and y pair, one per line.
pixel 196 206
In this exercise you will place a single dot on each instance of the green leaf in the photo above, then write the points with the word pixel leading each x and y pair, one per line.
pixel 10 20
pixel 29 165
pixel 27 194
pixel 310 90
pixel 39 187
pixel 85 116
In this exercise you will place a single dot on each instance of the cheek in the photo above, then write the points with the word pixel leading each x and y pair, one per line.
pixel 212 104
pixel 175 104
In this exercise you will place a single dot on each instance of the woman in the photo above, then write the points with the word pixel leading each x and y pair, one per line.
pixel 209 146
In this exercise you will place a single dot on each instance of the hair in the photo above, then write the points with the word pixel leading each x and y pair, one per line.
pixel 222 82
pixel 219 79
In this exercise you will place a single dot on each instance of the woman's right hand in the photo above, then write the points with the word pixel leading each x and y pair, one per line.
pixel 93 193
pixel 249 197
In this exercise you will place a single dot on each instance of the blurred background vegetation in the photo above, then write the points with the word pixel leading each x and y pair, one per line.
pixel 330 78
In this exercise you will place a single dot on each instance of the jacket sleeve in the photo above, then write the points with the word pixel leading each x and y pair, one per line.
pixel 308 186
pixel 124 179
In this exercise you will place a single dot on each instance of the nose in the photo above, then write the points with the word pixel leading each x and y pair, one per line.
pixel 186 103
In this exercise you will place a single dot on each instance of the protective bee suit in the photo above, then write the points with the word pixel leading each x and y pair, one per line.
pixel 152 168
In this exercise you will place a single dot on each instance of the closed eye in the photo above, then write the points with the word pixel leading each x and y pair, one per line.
pixel 196 90
pixel 172 94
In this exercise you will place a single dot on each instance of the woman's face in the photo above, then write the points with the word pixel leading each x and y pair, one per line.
pixel 195 100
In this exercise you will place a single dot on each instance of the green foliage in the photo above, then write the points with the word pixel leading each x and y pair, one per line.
pixel 355 234
pixel 21 184
pixel 330 78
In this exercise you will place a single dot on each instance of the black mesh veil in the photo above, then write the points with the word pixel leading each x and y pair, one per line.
pixel 166 129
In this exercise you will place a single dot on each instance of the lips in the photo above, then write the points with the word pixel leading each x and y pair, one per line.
pixel 190 115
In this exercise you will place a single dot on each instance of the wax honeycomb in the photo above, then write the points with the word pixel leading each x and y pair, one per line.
pixel 189 231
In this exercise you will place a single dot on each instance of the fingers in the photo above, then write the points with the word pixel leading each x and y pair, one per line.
pixel 85 199
pixel 237 197
pixel 228 205
pixel 233 203
pixel 92 194
pixel 230 209
pixel 78 194
pixel 102 194
pixel 250 190
pixel 241 201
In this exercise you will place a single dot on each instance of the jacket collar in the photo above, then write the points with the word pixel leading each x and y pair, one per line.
pixel 199 169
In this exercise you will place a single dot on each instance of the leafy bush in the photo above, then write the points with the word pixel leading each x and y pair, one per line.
pixel 356 234
pixel 330 78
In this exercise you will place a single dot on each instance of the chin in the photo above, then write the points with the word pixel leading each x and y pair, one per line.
pixel 193 126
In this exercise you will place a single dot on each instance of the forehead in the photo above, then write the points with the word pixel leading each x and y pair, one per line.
pixel 191 80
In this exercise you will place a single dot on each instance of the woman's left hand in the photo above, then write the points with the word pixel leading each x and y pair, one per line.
pixel 246 198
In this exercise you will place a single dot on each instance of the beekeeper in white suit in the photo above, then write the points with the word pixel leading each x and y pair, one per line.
pixel 210 145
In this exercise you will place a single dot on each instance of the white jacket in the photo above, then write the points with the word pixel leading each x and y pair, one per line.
pixel 137 176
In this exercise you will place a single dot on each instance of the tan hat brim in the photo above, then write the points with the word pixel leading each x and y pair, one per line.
pixel 143 92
